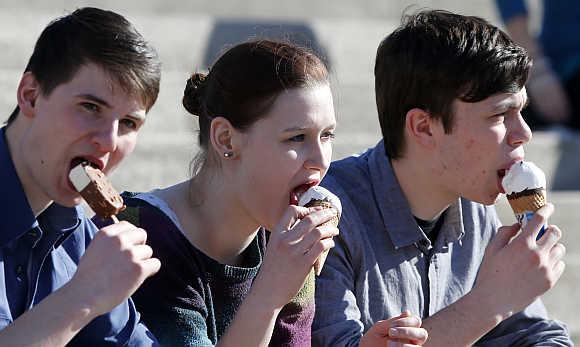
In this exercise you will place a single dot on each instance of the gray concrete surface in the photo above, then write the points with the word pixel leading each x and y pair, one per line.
pixel 348 30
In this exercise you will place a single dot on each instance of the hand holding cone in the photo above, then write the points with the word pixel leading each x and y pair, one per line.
pixel 525 187
pixel 319 196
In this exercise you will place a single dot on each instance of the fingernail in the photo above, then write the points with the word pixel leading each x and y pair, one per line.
pixel 393 332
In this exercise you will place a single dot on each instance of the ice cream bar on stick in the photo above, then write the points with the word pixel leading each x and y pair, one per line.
pixel 319 196
pixel 97 191
pixel 525 187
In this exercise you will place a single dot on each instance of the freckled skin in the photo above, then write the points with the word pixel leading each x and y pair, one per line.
pixel 480 144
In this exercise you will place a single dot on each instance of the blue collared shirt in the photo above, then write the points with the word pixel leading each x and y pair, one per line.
pixel 39 255
pixel 383 263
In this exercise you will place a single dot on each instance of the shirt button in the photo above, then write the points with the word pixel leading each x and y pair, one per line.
pixel 19 272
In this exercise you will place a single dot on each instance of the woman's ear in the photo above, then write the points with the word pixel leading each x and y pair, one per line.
pixel 222 135
pixel 419 127
pixel 27 92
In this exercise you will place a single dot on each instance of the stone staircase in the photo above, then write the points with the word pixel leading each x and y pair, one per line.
pixel 188 34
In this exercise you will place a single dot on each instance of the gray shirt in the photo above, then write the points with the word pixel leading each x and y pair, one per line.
pixel 383 263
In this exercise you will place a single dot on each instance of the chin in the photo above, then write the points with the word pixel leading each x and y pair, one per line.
pixel 71 200
pixel 491 199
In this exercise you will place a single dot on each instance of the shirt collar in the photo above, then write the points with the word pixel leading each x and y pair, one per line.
pixel 394 207
pixel 16 216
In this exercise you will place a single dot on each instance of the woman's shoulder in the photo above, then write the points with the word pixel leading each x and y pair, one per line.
pixel 145 208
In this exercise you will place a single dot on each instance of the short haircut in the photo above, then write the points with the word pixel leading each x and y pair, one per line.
pixel 101 37
pixel 435 57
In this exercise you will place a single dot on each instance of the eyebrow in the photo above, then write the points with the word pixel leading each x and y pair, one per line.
pixel 511 105
pixel 292 129
pixel 103 102
pixel 94 99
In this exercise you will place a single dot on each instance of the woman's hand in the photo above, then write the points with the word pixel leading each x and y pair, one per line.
pixel 403 330
pixel 294 245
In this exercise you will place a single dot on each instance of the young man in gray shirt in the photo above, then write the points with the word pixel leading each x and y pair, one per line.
pixel 416 231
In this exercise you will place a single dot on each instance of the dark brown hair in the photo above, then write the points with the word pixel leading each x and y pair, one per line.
pixel 105 38
pixel 244 82
pixel 435 57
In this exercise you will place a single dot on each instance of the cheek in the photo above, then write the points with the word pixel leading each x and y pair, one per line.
pixel 124 148
pixel 465 162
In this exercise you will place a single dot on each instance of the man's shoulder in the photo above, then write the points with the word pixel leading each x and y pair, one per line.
pixel 346 174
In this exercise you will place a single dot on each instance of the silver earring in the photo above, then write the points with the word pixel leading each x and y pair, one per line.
pixel 228 154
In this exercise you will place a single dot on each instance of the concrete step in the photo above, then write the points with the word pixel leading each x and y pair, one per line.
pixel 376 9
pixel 348 32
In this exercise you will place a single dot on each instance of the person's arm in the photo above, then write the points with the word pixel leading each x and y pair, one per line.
pixel 546 91
pixel 337 320
pixel 290 255
pixel 531 327
pixel 112 268
pixel 515 271
pixel 293 325
pixel 53 322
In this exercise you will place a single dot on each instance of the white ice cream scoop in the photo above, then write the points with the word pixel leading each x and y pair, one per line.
pixel 320 193
pixel 523 175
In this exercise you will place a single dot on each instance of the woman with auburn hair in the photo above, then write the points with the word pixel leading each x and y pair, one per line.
pixel 237 252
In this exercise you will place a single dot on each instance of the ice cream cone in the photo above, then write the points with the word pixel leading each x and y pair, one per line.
pixel 525 187
pixel 529 200
pixel 333 222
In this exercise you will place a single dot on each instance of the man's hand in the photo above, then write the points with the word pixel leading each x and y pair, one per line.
pixel 516 269
pixel 403 330
pixel 114 265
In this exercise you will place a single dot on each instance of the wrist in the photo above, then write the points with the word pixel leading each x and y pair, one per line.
pixel 76 304
pixel 486 308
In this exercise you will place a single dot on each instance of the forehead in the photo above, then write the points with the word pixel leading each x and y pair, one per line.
pixel 91 79
pixel 309 104
pixel 497 103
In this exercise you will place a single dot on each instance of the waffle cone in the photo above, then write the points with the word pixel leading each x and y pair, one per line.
pixel 332 222
pixel 530 200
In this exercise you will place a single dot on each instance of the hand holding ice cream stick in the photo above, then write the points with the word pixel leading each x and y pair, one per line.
pixel 319 196
pixel 118 259
pixel 525 187
pixel 97 191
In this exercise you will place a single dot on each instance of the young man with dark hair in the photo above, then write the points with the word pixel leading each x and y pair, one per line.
pixel 83 97
pixel 416 232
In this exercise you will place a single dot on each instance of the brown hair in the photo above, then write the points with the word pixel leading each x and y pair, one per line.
pixel 435 57
pixel 244 82
pixel 101 37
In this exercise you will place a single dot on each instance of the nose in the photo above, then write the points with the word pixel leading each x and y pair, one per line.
pixel 319 157
pixel 519 132
pixel 106 137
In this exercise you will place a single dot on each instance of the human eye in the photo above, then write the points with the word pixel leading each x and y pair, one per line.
pixel 328 135
pixel 499 117
pixel 297 138
pixel 129 123
pixel 91 107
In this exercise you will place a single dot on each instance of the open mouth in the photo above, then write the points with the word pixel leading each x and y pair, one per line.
pixel 82 161
pixel 297 192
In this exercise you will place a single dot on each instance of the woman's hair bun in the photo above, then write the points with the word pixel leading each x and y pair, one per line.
pixel 193 93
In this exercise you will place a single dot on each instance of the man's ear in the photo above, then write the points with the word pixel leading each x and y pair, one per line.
pixel 419 127
pixel 223 137
pixel 27 92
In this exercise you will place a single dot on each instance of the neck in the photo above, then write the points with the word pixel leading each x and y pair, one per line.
pixel 213 218
pixel 15 138
pixel 419 184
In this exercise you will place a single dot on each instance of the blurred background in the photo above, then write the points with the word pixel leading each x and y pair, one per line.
pixel 189 34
